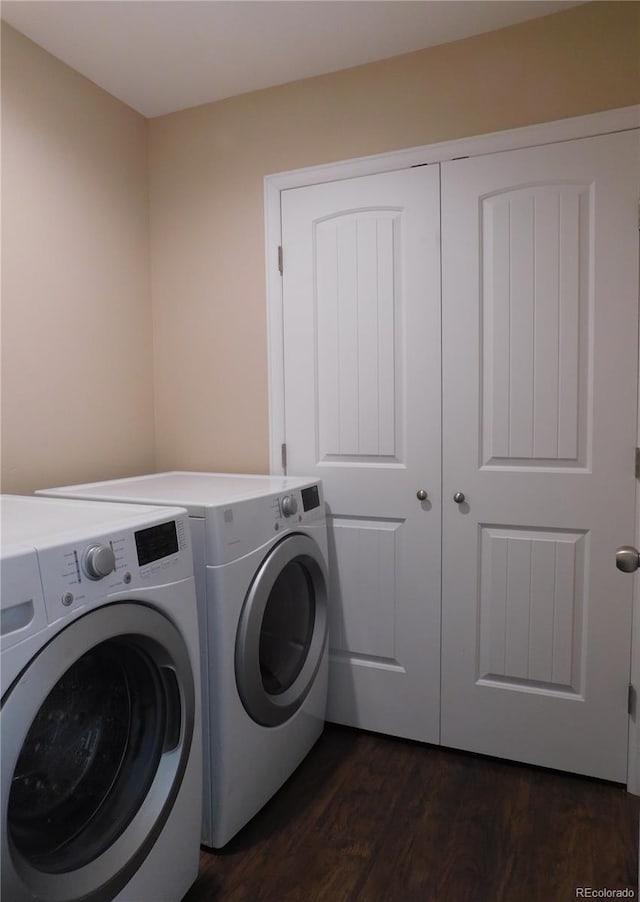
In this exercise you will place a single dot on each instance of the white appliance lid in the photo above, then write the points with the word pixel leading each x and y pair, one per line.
pixel 27 520
pixel 195 491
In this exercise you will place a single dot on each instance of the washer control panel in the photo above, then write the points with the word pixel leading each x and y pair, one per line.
pixel 304 500
pixel 85 572
pixel 246 524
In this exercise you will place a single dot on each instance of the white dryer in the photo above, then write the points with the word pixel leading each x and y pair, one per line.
pixel 260 555
pixel 100 720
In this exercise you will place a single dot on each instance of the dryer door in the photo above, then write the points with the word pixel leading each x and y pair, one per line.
pixel 96 735
pixel 282 631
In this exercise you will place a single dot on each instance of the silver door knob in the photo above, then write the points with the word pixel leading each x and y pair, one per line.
pixel 421 495
pixel 459 497
pixel 627 558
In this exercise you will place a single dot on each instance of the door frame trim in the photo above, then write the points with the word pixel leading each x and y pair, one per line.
pixel 590 125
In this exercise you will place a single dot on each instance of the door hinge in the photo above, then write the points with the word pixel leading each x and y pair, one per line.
pixel 280 259
pixel 632 700
pixel 283 451
pixel 637 463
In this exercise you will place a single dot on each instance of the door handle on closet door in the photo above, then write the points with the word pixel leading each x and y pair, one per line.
pixel 627 559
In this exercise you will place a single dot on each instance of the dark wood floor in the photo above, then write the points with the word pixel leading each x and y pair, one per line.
pixel 370 818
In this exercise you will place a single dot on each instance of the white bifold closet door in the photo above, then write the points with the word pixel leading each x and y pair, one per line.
pixel 520 646
pixel 540 348
pixel 361 288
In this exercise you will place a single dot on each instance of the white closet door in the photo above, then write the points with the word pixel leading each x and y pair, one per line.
pixel 540 303
pixel 361 289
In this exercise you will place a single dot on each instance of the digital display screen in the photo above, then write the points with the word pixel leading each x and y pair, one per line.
pixel 310 498
pixel 156 542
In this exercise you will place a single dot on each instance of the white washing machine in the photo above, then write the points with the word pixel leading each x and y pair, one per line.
pixel 260 555
pixel 100 721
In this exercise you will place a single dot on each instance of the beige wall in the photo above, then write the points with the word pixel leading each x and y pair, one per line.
pixel 207 167
pixel 77 386
pixel 77 393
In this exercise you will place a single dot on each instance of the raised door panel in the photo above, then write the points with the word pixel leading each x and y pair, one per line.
pixel 357 307
pixel 531 609
pixel 366 556
pixel 536 261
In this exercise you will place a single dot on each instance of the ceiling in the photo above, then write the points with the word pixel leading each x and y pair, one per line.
pixel 159 56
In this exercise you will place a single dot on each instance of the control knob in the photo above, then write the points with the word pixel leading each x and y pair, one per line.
pixel 98 561
pixel 289 506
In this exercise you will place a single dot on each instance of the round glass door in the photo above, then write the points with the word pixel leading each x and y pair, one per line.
pixel 88 758
pixel 287 628
pixel 282 631
pixel 90 769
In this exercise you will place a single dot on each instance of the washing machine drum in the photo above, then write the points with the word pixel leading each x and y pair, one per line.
pixel 282 631
pixel 96 734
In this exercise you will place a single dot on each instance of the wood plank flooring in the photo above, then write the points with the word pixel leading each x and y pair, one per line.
pixel 375 819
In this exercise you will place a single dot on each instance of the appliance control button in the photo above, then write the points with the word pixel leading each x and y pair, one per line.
pixel 98 561
pixel 289 506
pixel 67 599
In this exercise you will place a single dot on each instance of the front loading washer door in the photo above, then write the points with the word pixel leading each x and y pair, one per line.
pixel 96 736
pixel 282 631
